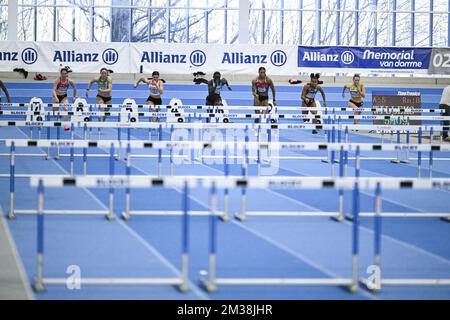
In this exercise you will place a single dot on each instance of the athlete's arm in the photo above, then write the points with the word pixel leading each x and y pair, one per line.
pixel 90 85
pixel 362 92
pixel 343 90
pixel 323 96
pixel 54 90
pixel 272 86
pixel 74 89
pixel 3 87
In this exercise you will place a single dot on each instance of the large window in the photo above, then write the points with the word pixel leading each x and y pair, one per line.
pixel 293 22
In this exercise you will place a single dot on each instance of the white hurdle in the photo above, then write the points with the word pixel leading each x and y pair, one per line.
pixel 181 281
pixel 211 282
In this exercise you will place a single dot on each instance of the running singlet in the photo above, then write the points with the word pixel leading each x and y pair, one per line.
pixel 102 83
pixel 216 88
pixel 262 86
pixel 62 86
pixel 354 93
pixel 154 90
pixel 311 93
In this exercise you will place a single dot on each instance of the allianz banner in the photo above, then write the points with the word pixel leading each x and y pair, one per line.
pixel 364 59
pixel 188 58
pixel 49 56
pixel 147 57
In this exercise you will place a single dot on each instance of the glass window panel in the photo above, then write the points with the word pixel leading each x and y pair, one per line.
pixel 102 27
pixel 197 26
pixel 3 2
pixel 178 3
pixel 272 27
pixel 64 24
pixel 3 23
pixel 215 3
pixel 440 30
pixel 328 27
pixel 422 5
pixel 82 24
pixel 366 29
pixel 403 5
pixel 216 26
pixel 255 26
pixel 44 24
pixel 291 28
pixel 348 5
pixel 25 24
pixel 347 28
pixel 232 26
pixel 101 5
pixel 308 26
pixel 139 19
pixel 441 5
pixel 384 28
pixel 292 4
pixel 178 32
pixel 309 4
pixel 158 25
pixel 421 29
pixel 403 30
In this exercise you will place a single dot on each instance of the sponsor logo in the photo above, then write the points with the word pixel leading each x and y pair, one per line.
pixel 197 58
pixel 347 57
pixel 73 56
pixel 278 58
pixel 160 57
pixel 110 56
pixel 29 55
pixel 241 58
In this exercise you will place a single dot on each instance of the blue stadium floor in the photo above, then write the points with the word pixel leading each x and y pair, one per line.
pixel 259 247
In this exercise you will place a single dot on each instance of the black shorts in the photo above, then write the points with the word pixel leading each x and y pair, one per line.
pixel 105 100
pixel 262 98
pixel 156 101
pixel 310 103
pixel 213 100
pixel 357 104
pixel 61 97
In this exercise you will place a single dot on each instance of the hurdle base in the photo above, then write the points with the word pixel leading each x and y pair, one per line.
pixel 369 285
pixel 240 217
pixel 208 286
pixel 331 214
pixel 38 287
pixel 338 218
pixel 404 161
pixel 446 219
pixel 114 281
pixel 325 160
pixel 396 161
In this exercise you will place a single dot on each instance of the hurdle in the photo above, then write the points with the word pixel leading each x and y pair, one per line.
pixel 225 117
pixel 342 148
pixel 41 281
pixel 211 284
pixel 378 282
pixel 404 110
pixel 210 281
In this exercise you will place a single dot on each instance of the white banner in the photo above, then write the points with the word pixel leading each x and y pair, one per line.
pixel 148 57
pixel 189 58
pixel 79 56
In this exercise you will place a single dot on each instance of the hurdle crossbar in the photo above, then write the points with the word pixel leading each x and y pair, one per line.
pixel 244 108
pixel 222 116
pixel 221 145
pixel 221 125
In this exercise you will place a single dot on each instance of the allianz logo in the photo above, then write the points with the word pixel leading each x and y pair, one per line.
pixel 109 56
pixel 278 58
pixel 196 58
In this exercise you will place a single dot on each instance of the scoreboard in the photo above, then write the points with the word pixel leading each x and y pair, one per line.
pixel 397 102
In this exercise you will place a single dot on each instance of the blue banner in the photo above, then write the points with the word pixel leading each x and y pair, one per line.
pixel 376 59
